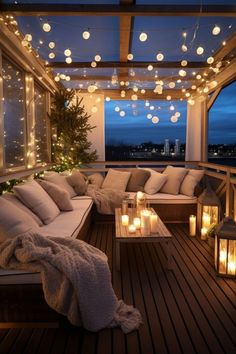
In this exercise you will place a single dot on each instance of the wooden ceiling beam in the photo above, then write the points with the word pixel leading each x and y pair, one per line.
pixel 133 64
pixel 24 9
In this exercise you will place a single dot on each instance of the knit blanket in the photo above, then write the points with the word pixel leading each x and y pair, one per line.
pixel 106 200
pixel 75 277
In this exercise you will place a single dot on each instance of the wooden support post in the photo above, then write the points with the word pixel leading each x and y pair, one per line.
pixel 228 201
pixel 1 118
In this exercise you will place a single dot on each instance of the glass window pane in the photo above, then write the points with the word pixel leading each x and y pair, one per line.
pixel 14 115
pixel 40 125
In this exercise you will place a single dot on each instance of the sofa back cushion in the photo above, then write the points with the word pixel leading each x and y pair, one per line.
pixel 59 195
pixel 13 220
pixel 77 182
pixel 96 179
pixel 190 182
pixel 175 176
pixel 154 182
pixel 137 180
pixel 117 180
pixel 11 197
pixel 35 198
pixel 60 181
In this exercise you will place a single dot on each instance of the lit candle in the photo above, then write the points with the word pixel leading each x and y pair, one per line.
pixel 192 225
pixel 132 228
pixel 145 222
pixel 206 220
pixel 203 233
pixel 153 223
pixel 125 220
pixel 140 195
pixel 137 223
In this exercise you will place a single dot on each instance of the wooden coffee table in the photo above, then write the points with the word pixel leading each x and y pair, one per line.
pixel 122 235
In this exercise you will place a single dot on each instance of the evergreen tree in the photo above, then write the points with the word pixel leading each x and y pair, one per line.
pixel 71 146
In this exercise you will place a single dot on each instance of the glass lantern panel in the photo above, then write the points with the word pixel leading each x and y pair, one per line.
pixel 209 215
pixel 222 256
pixel 231 266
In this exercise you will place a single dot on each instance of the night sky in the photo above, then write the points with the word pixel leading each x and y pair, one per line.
pixel 135 127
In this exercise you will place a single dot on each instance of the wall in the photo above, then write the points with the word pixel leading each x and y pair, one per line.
pixel 93 102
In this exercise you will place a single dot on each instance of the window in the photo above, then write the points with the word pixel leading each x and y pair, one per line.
pixel 41 138
pixel 145 130
pixel 222 127
pixel 13 115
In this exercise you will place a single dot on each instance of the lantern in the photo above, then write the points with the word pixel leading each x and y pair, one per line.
pixel 225 248
pixel 208 209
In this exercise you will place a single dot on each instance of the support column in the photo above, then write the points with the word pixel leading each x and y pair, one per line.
pixel 30 121
pixel 1 118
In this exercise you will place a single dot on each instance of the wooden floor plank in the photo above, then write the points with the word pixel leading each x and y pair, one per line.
pixel 9 340
pixel 33 343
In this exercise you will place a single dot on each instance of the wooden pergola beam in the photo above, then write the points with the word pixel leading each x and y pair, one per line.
pixel 125 77
pixel 133 64
pixel 38 9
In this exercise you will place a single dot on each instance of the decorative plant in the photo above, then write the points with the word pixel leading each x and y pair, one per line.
pixel 71 122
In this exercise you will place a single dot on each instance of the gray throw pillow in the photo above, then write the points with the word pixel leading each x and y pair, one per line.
pixel 137 180
pixel 60 196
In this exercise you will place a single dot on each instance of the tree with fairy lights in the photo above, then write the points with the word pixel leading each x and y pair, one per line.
pixel 71 124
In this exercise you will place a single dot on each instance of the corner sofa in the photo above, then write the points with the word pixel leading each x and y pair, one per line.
pixel 59 207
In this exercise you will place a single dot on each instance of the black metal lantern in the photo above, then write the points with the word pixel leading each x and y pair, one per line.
pixel 225 248
pixel 208 210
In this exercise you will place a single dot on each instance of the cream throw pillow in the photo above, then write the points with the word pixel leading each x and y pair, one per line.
pixel 77 181
pixel 175 176
pixel 35 198
pixel 190 181
pixel 96 179
pixel 117 180
pixel 155 182
pixel 14 221
pixel 60 196
pixel 60 181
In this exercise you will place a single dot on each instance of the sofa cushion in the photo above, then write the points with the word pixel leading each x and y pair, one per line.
pixel 14 221
pixel 96 179
pixel 175 176
pixel 116 180
pixel 61 181
pixel 190 182
pixel 77 181
pixel 59 195
pixel 137 180
pixel 154 182
pixel 35 198
pixel 11 197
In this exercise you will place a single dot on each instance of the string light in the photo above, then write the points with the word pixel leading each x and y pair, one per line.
pixel 46 27
pixel 86 35
pixel 51 55
pixel 134 97
pixel 182 73
pixel 174 119
pixel 143 37
pixel 155 119
pixel 67 52
pixel 93 64
pixel 184 63
pixel 117 109
pixel 159 57
pixel 149 116
pixel 122 113
pixel 172 84
pixel 216 30
pixel 97 58
pixel 150 67
pixel 68 60
pixel 130 56
pixel 210 60
pixel 200 50
pixel 184 48
pixel 51 45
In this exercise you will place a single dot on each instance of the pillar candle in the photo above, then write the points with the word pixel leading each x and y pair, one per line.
pixel 125 220
pixel 145 222
pixel 192 225
pixel 206 220
pixel 132 228
pixel 153 223
pixel 203 233
pixel 137 223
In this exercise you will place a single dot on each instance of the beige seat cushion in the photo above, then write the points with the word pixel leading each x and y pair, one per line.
pixel 175 176
pixel 77 182
pixel 61 181
pixel 35 198
pixel 116 180
pixel 155 182
pixel 59 195
pixel 137 180
pixel 14 221
pixel 190 182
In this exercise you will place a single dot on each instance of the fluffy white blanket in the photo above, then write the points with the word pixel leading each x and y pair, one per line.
pixel 76 279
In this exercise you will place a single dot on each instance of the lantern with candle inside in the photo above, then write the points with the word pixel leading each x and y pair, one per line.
pixel 208 209
pixel 140 201
pixel 225 248
pixel 192 225
pixel 137 223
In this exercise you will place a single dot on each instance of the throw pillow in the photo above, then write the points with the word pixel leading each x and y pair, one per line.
pixel 175 176
pixel 13 220
pixel 96 179
pixel 60 196
pixel 60 181
pixel 155 182
pixel 77 181
pixel 35 198
pixel 11 197
pixel 190 182
pixel 117 180
pixel 137 180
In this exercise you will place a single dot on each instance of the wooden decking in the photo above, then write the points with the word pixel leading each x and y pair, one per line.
pixel 187 310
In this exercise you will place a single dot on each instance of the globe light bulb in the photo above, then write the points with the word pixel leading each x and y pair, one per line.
pixel 210 60
pixel 216 30
pixel 86 35
pixel 117 109
pixel 68 60
pixel 56 78
pixel 174 119
pixel 200 51
pixel 143 37
pixel 155 119
pixel 97 58
pixel 28 37
pixel 172 84
pixel 51 55
pixel 94 109
pixel 184 63
pixel 159 57
pixel 46 27
pixel 51 45
pixel 93 64
pixel 149 116
pixel 177 114
pixel 172 108
pixel 108 99
pixel 182 73
pixel 184 48
pixel 130 56
pixel 168 98
pixel 67 52
pixel 150 67
pixel 134 97
pixel 122 113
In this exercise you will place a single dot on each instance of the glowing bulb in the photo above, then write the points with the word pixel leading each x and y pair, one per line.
pixel 200 50
pixel 159 57
pixel 172 108
pixel 135 89
pixel 168 98
pixel 193 87
pixel 51 45
pixel 216 30
pixel 94 109
pixel 152 108
pixel 150 67
pixel 184 63
pixel 62 76
pixel 68 60
pixel 86 35
pixel 184 34
pixel 155 119
pixel 182 73
pixel 184 48
pixel 97 58
pixel 143 91
pixel 122 113
pixel 191 101
pixel 149 116
pixel 177 114
pixel 67 52
pixel 171 84
pixel 91 88
pixel 198 77
pixel 174 119
pixel 117 109
pixel 67 78
pixel 134 97
pixel 93 64
pixel 210 60
pixel 28 37
pixel 57 78
pixel 46 27
pixel 51 55
pixel 143 37
pixel 130 56
pixel 108 99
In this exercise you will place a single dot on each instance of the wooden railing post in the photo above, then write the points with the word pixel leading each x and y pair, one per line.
pixel 228 200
